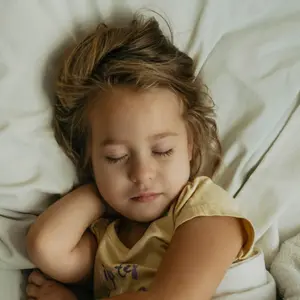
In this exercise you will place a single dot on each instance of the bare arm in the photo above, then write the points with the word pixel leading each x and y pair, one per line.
pixel 200 253
pixel 58 242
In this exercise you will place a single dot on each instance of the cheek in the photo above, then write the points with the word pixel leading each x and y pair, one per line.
pixel 179 168
pixel 107 187
pixel 178 175
pixel 109 180
pixel 101 174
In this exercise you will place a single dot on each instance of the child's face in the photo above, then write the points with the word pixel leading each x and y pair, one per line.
pixel 140 151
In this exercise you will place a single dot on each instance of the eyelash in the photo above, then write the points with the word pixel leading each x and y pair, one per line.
pixel 120 159
pixel 165 153
pixel 111 160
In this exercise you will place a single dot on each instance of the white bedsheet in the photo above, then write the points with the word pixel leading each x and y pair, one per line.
pixel 248 53
pixel 286 268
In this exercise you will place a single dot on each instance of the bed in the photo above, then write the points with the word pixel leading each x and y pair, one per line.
pixel 248 53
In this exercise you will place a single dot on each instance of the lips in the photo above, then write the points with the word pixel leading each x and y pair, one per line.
pixel 146 197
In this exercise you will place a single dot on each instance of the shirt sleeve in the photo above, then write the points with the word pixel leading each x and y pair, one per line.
pixel 203 198
pixel 99 227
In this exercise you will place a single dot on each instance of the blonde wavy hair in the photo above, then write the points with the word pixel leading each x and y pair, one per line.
pixel 139 55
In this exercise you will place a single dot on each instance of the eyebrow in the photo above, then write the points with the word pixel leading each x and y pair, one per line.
pixel 158 136
pixel 162 135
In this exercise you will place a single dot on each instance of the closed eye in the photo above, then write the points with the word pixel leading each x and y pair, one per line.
pixel 164 153
pixel 114 160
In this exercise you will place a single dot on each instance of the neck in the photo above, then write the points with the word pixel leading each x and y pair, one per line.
pixel 129 232
pixel 129 224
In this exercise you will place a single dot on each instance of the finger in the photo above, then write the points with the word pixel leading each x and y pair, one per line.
pixel 37 278
pixel 32 290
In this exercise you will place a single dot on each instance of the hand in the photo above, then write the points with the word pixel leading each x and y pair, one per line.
pixel 41 288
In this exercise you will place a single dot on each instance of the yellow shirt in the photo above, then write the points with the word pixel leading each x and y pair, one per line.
pixel 119 269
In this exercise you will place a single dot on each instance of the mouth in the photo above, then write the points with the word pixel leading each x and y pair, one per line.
pixel 146 197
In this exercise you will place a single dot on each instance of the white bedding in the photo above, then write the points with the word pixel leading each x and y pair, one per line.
pixel 286 268
pixel 248 53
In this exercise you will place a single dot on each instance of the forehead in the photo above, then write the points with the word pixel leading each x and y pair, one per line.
pixel 126 112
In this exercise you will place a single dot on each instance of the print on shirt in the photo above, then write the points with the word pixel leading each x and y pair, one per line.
pixel 113 276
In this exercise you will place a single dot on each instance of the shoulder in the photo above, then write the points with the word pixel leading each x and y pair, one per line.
pixel 202 191
pixel 201 198
pixel 99 227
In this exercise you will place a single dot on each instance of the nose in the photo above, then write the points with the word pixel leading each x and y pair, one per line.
pixel 142 172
